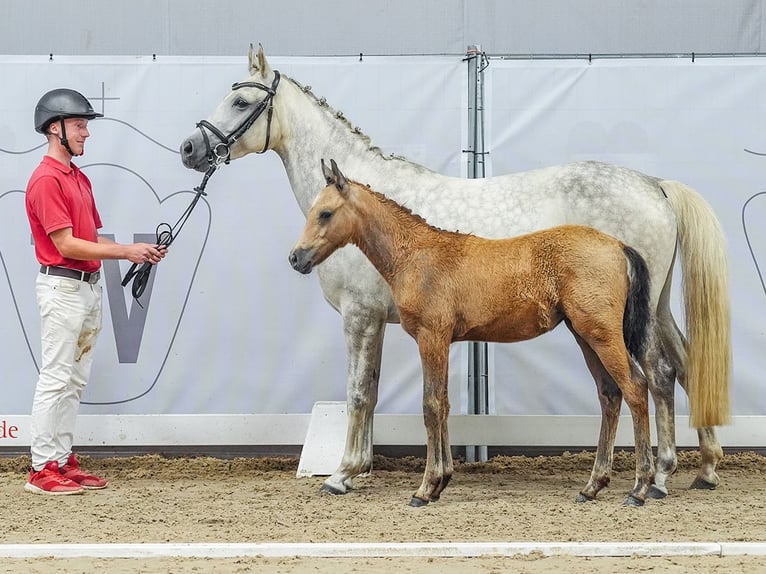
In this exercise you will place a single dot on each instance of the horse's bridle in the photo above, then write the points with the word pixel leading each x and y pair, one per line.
pixel 221 152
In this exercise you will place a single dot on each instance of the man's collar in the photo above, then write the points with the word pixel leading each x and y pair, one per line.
pixel 53 162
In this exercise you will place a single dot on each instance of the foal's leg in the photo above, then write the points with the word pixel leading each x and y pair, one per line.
pixel 364 328
pixel 434 356
pixel 611 350
pixel 610 399
pixel 710 449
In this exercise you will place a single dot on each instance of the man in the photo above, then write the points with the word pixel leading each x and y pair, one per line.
pixel 64 220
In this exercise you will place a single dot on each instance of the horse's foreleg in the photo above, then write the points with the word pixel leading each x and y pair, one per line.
pixel 610 400
pixel 364 330
pixel 434 355
pixel 710 449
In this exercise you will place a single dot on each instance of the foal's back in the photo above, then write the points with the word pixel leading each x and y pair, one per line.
pixel 507 290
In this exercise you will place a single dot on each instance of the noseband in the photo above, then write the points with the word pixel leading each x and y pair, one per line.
pixel 221 152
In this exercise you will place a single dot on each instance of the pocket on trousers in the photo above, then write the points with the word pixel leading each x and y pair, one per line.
pixel 68 285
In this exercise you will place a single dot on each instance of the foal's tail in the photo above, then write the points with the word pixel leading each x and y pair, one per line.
pixel 706 305
pixel 637 317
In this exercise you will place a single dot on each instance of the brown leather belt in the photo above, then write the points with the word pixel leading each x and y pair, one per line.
pixel 71 273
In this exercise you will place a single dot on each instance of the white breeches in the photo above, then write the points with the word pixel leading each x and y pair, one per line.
pixel 70 312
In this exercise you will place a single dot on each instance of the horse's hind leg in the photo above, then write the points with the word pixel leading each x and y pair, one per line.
pixel 610 399
pixel 364 329
pixel 661 376
pixel 710 449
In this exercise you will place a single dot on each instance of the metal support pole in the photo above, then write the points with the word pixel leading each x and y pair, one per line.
pixel 478 364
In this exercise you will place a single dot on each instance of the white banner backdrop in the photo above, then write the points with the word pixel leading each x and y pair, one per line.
pixel 231 330
pixel 230 327
pixel 679 119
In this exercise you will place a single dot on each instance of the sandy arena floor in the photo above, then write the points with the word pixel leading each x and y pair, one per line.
pixel 508 499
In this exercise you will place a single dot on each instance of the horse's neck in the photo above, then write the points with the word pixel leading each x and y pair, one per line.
pixel 388 235
pixel 312 132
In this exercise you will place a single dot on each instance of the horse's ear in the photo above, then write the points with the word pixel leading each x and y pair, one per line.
pixel 329 178
pixel 257 63
pixel 340 179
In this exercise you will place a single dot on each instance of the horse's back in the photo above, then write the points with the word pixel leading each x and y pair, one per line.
pixel 620 201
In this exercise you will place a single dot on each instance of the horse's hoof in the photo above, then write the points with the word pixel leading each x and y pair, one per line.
pixel 633 501
pixel 583 498
pixel 331 489
pixel 702 484
pixel 657 493
pixel 417 502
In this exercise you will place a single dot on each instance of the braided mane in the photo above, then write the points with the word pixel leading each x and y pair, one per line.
pixel 403 210
pixel 355 130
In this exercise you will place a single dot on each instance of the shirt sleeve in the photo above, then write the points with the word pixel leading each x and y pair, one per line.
pixel 49 205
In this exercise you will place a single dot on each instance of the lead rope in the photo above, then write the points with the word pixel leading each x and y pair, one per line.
pixel 166 234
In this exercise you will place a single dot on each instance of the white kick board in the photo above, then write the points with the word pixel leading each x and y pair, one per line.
pixel 325 439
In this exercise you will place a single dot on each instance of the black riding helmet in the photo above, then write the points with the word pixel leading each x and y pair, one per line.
pixel 60 104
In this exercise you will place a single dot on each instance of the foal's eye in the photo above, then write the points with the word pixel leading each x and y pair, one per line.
pixel 325 215
pixel 241 103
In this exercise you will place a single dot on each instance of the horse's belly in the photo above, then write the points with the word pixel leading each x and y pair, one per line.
pixel 510 328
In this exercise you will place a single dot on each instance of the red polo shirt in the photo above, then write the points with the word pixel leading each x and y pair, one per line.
pixel 58 197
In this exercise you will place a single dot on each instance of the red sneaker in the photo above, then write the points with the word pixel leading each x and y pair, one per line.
pixel 49 480
pixel 71 470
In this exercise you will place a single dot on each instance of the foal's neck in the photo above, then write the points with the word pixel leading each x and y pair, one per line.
pixel 389 234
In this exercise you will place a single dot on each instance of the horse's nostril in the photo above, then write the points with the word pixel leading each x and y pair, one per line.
pixel 187 148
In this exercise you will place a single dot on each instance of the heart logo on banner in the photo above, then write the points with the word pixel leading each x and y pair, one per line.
pixel 754 211
pixel 135 342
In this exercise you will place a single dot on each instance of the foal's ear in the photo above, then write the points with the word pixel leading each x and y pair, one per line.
pixel 340 179
pixel 257 63
pixel 329 178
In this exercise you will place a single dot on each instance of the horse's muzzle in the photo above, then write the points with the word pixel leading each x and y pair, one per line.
pixel 300 260
pixel 193 153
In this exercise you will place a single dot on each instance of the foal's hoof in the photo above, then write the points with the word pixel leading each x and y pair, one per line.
pixel 583 498
pixel 702 484
pixel 417 502
pixel 331 489
pixel 633 501
pixel 656 493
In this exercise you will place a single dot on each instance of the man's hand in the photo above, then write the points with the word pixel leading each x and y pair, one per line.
pixel 143 252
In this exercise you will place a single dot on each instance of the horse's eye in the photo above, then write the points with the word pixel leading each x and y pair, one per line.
pixel 325 216
pixel 241 103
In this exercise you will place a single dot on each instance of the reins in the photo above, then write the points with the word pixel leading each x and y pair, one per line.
pixel 216 155
pixel 166 234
